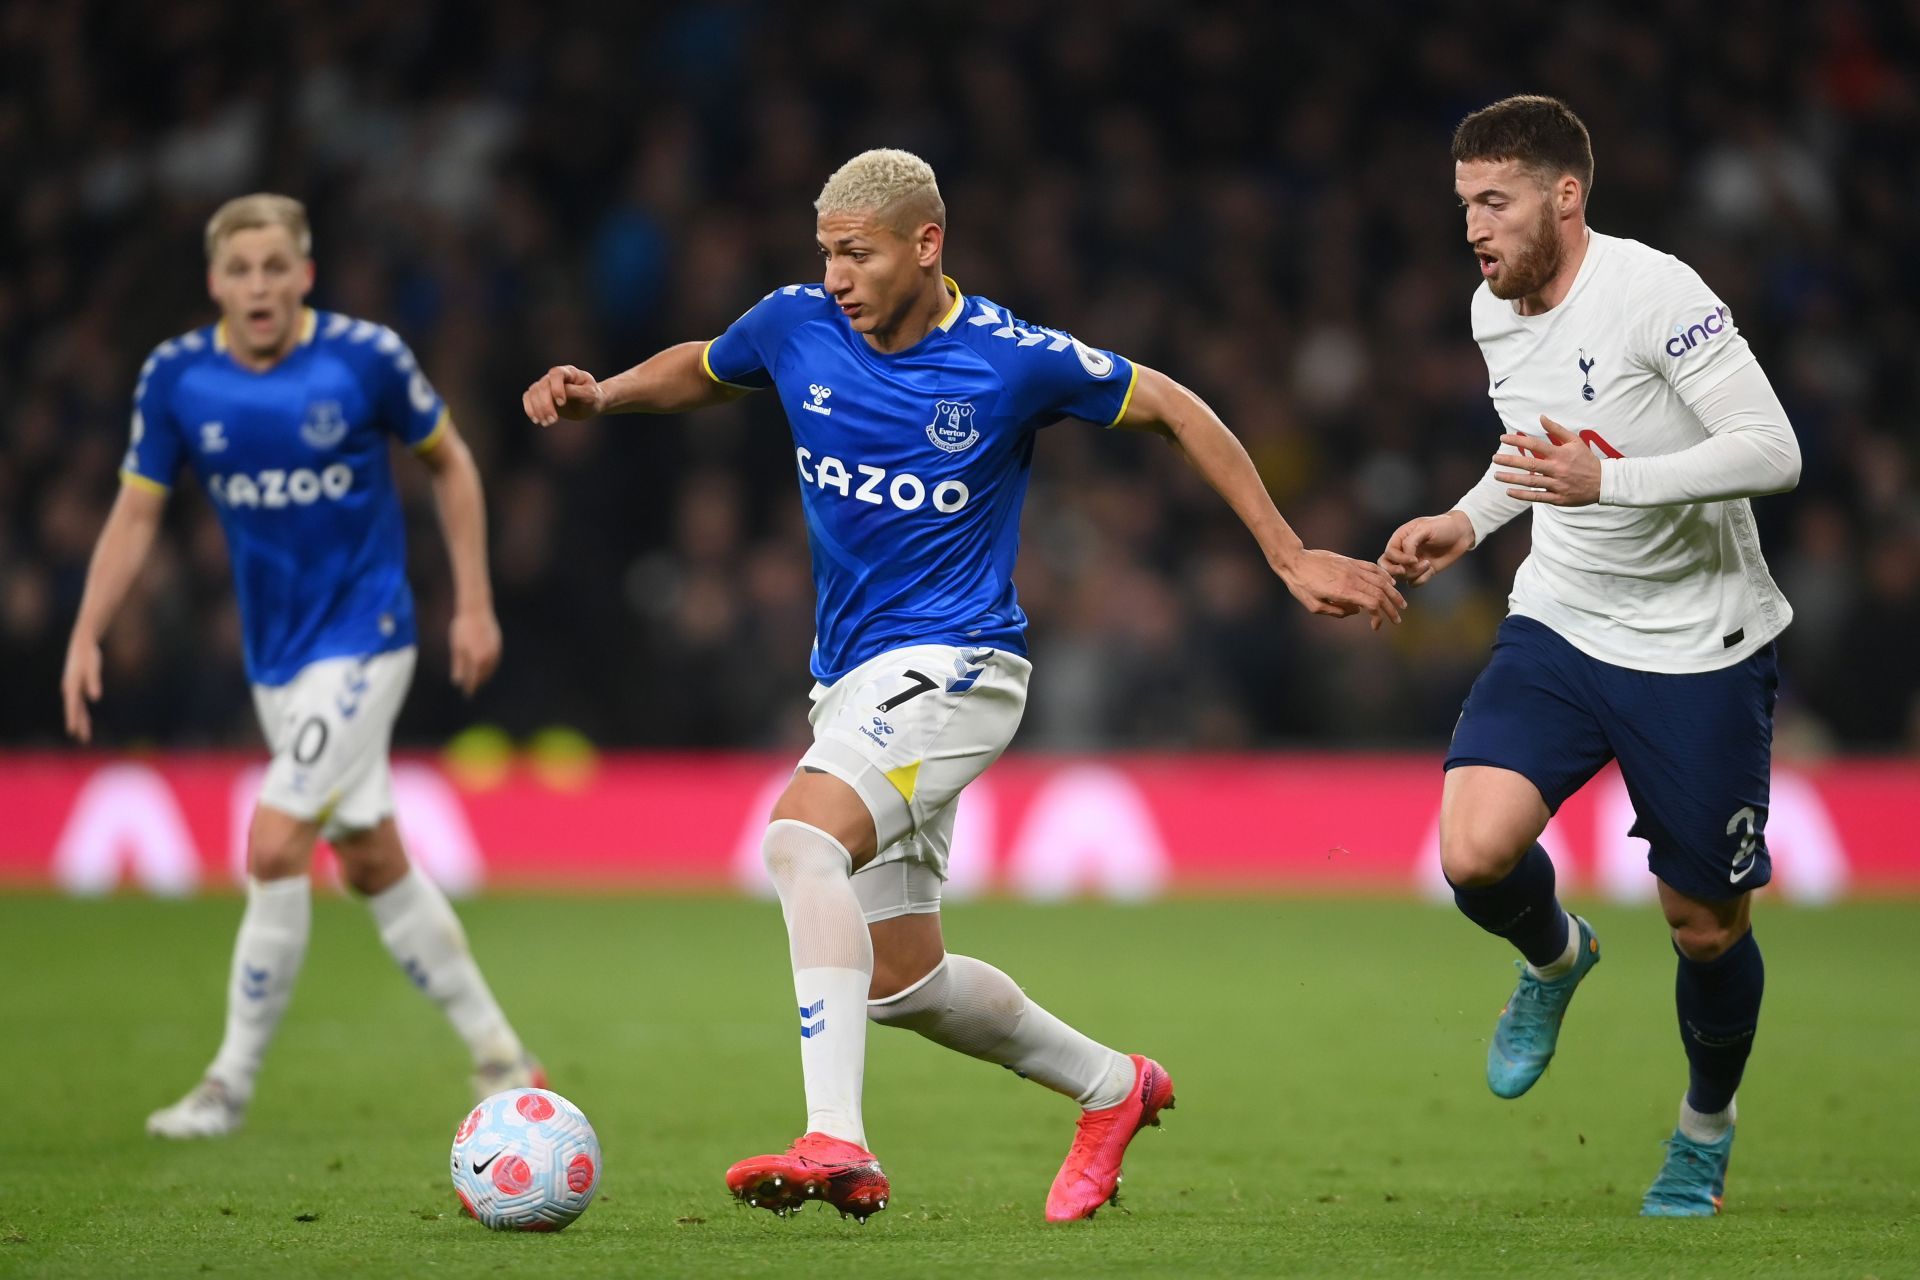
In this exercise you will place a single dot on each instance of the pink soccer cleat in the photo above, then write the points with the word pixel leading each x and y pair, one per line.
pixel 815 1167
pixel 1091 1175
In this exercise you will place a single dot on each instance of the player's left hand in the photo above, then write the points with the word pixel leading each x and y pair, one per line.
pixel 1560 470
pixel 474 642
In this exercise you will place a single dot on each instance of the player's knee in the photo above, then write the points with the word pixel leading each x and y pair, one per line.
pixel 794 850
pixel 1704 938
pixel 891 976
pixel 275 853
pixel 1470 859
pixel 366 866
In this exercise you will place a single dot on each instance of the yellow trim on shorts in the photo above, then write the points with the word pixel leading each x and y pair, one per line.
pixel 708 369
pixel 904 779
pixel 134 480
pixel 1127 401
pixel 439 432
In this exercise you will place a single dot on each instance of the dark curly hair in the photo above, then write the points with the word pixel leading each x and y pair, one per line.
pixel 1541 133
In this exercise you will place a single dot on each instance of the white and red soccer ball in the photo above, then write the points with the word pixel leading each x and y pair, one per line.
pixel 525 1160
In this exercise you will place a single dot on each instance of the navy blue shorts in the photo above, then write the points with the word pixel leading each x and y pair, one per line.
pixel 1695 749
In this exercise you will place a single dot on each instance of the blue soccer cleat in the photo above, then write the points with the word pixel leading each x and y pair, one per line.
pixel 1693 1181
pixel 1529 1027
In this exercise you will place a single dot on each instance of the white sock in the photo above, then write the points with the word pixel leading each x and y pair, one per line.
pixel 832 968
pixel 267 955
pixel 419 927
pixel 971 1007
pixel 1564 965
pixel 1703 1126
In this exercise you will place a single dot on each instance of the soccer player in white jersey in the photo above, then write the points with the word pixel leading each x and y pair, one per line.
pixel 285 415
pixel 914 408
pixel 1637 423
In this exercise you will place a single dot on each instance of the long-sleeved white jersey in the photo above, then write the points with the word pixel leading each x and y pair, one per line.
pixel 1640 358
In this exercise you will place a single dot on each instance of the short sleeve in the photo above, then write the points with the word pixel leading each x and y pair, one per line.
pixel 1686 334
pixel 1063 377
pixel 409 406
pixel 153 447
pixel 744 355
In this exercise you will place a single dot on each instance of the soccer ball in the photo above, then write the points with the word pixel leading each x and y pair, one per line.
pixel 525 1160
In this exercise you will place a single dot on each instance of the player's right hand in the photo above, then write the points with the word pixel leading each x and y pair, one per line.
pixel 79 685
pixel 1339 587
pixel 563 392
pixel 1423 547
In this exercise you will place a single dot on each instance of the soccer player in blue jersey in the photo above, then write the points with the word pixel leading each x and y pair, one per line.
pixel 914 409
pixel 1642 622
pixel 285 415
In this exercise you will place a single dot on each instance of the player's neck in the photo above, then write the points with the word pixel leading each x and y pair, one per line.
pixel 1555 291
pixel 921 318
pixel 261 361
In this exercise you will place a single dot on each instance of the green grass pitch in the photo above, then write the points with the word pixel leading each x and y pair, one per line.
pixel 1332 1116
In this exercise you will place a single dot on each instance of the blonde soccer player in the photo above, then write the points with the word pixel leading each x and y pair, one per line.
pixel 914 408
pixel 284 414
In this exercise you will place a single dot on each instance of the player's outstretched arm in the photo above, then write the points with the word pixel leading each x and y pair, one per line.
pixel 117 557
pixel 1321 580
pixel 473 638
pixel 673 381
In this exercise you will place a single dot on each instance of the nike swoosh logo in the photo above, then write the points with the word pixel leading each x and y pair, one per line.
pixel 1502 382
pixel 481 1166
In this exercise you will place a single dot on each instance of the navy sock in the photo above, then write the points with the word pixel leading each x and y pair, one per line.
pixel 1520 908
pixel 1719 1005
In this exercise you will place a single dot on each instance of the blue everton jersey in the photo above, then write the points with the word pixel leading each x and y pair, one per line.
pixel 912 465
pixel 295 460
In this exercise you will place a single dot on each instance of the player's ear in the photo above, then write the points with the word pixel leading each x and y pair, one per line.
pixel 306 285
pixel 927 243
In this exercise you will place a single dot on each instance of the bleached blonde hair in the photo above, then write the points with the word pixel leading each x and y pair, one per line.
pixel 261 209
pixel 897 187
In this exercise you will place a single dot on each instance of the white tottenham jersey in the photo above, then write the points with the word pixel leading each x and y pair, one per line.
pixel 1656 588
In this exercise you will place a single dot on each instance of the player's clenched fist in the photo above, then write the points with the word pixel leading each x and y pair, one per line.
pixel 563 392
pixel 1339 587
pixel 1423 547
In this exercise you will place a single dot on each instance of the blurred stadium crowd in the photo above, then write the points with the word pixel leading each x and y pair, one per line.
pixel 1251 197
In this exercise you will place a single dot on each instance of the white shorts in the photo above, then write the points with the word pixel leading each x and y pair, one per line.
pixel 329 729
pixel 908 730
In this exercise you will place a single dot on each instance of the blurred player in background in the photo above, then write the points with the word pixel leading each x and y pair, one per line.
pixel 914 409
pixel 285 415
pixel 1642 622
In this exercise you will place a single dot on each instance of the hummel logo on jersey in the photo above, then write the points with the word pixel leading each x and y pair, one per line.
pixel 213 437
pixel 952 427
pixel 819 394
pixel 326 424
pixel 1586 379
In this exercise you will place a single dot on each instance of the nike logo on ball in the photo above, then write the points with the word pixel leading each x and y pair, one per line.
pixel 481 1165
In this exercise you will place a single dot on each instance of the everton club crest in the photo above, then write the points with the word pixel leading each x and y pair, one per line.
pixel 326 424
pixel 952 427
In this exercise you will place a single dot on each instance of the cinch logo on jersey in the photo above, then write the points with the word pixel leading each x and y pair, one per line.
pixel 277 488
pixel 1688 336
pixel 905 490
